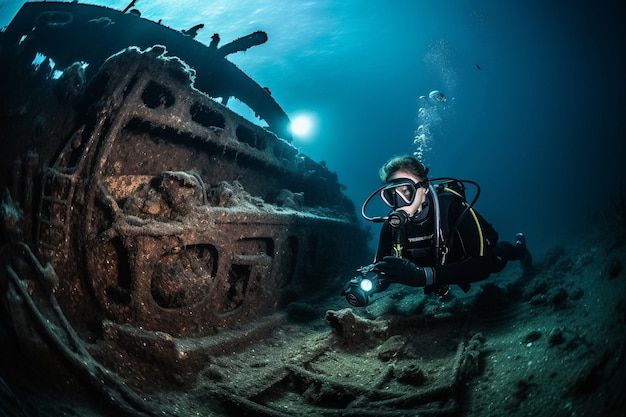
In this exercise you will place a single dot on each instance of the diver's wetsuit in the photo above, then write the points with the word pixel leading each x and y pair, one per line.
pixel 464 263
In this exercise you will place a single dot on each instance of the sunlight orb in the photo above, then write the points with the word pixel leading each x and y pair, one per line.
pixel 301 125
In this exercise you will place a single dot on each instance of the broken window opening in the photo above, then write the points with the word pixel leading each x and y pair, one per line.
pixel 157 96
pixel 256 246
pixel 238 278
pixel 242 109
pixel 206 117
pixel 115 265
pixel 290 261
pixel 251 138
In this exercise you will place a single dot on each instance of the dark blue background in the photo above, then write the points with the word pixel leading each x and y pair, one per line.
pixel 540 125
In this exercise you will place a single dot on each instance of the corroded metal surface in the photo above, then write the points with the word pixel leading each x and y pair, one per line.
pixel 69 33
pixel 144 222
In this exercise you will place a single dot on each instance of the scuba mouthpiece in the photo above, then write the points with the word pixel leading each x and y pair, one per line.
pixel 395 194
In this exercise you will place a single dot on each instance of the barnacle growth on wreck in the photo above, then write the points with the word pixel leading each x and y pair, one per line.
pixel 143 221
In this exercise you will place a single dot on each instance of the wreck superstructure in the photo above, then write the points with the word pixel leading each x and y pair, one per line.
pixel 71 33
pixel 143 220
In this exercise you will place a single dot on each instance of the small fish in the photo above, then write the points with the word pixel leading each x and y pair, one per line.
pixel 478 66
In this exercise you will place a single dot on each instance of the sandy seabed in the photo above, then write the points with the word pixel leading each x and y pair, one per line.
pixel 550 342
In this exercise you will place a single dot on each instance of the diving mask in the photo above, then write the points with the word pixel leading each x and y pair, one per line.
pixel 400 192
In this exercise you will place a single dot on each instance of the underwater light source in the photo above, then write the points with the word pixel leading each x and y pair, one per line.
pixel 366 285
pixel 302 126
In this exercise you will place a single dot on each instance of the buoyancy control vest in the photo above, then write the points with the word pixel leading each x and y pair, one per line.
pixel 428 238
pixel 485 236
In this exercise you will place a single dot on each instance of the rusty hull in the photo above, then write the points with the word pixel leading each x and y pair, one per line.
pixel 144 222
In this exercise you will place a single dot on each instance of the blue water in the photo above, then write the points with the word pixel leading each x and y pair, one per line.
pixel 535 93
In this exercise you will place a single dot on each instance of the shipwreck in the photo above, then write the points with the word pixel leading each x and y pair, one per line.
pixel 143 221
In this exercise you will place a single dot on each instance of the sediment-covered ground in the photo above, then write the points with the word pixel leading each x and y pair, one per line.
pixel 547 343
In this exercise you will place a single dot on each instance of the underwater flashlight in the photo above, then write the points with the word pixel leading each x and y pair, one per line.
pixel 359 289
pixel 366 285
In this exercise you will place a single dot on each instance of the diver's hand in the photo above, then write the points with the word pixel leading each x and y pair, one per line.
pixel 403 271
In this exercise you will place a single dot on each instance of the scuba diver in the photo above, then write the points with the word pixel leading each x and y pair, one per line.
pixel 432 238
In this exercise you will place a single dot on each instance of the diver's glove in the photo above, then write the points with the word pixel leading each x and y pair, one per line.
pixel 403 271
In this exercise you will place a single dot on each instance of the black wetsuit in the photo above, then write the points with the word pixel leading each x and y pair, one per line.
pixel 464 262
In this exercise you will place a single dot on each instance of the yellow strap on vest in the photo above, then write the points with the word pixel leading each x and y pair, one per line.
pixel 475 217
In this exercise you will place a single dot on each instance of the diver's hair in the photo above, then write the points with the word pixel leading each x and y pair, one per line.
pixel 403 163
